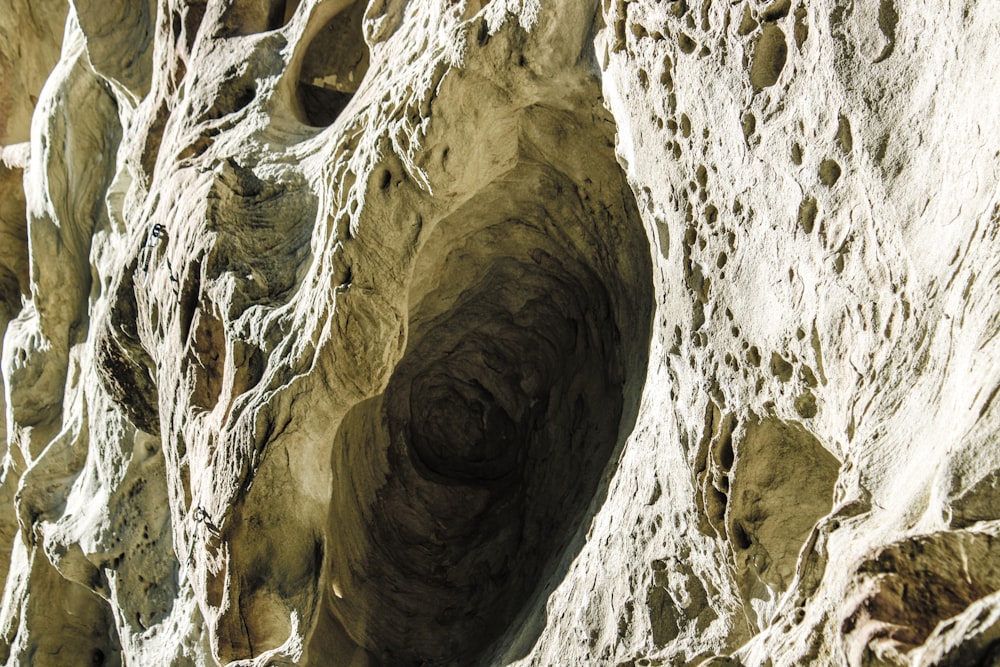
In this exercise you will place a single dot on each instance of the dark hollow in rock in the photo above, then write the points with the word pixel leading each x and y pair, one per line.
pixel 783 480
pixel 527 343
pixel 916 583
pixel 333 66
pixel 768 57
pixel 247 17
pixel 829 172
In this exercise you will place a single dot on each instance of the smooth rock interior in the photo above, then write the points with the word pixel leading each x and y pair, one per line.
pixel 497 424
pixel 335 62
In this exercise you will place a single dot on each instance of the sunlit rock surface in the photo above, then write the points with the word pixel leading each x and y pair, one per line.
pixel 456 332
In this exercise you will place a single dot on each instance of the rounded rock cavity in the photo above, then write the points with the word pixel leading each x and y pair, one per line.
pixel 527 339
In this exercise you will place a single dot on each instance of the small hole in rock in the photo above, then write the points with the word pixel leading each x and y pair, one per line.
pixel 685 125
pixel 749 125
pixel 808 210
pixel 844 137
pixel 686 44
pixel 777 10
pixel 768 57
pixel 747 23
pixel 829 172
pixel 801 30
pixel 780 368
pixel 796 154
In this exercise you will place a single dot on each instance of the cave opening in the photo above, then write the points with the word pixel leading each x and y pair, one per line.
pixel 332 67
pixel 527 338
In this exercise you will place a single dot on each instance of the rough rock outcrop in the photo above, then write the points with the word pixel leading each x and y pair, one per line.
pixel 453 332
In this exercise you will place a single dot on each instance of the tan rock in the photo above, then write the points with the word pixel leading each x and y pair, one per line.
pixel 500 332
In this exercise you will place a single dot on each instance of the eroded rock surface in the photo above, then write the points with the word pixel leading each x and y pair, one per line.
pixel 450 332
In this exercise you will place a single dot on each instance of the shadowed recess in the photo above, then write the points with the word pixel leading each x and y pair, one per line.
pixel 247 17
pixel 333 66
pixel 528 320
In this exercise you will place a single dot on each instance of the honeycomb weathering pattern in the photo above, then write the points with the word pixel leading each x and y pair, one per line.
pixel 499 331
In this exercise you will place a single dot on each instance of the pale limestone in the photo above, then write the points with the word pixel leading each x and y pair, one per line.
pixel 500 332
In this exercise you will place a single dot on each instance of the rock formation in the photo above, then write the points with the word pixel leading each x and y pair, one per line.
pixel 534 332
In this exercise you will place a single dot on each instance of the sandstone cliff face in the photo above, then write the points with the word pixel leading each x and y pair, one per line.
pixel 500 332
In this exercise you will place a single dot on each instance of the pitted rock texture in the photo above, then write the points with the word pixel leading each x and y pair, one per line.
pixel 454 332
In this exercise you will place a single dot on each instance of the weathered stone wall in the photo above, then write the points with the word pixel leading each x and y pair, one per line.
pixel 500 331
